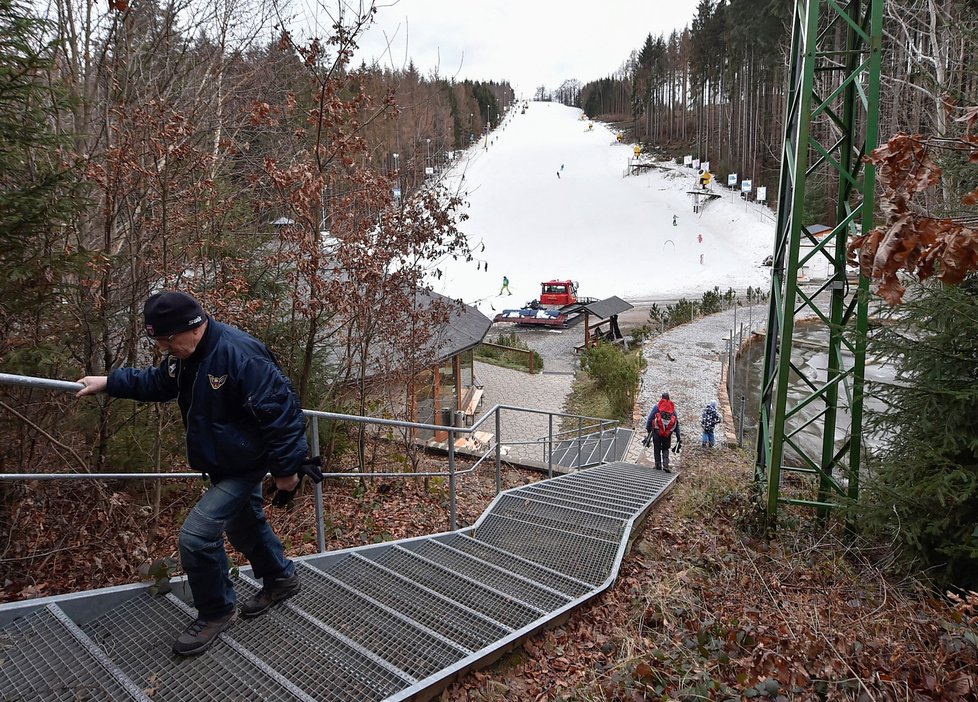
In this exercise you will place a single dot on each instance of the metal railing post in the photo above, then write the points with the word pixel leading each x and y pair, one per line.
pixel 550 446
pixel 499 448
pixel 451 479
pixel 740 426
pixel 729 367
pixel 733 366
pixel 320 512
pixel 580 443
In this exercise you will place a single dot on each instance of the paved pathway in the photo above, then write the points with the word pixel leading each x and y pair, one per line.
pixel 542 391
pixel 687 362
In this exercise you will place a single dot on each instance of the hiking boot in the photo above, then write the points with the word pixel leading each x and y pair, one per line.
pixel 273 592
pixel 201 635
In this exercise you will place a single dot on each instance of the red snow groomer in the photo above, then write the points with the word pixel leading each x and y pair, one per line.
pixel 557 307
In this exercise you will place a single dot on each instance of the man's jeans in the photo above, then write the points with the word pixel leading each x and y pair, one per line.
pixel 233 506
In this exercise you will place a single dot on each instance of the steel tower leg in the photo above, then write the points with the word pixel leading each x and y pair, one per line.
pixel 831 122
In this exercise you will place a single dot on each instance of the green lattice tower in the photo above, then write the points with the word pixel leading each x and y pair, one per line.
pixel 831 122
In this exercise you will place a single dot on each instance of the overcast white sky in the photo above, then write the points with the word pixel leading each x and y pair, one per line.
pixel 527 42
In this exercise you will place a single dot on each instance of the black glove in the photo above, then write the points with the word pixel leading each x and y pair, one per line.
pixel 647 441
pixel 678 447
pixel 283 498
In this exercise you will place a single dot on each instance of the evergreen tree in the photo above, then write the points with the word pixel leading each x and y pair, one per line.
pixel 922 491
pixel 35 192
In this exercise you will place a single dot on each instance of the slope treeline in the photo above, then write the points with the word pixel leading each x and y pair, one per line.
pixel 165 144
pixel 716 89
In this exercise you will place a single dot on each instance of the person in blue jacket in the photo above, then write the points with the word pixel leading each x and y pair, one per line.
pixel 709 420
pixel 242 419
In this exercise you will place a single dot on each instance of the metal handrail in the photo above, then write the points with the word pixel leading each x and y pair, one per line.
pixel 316 415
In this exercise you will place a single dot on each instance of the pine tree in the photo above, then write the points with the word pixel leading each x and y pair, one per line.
pixel 35 192
pixel 922 491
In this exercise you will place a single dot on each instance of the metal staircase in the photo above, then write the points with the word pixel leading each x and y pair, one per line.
pixel 391 621
pixel 592 449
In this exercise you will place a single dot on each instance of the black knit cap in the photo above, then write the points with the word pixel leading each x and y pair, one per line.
pixel 170 312
pixel 665 396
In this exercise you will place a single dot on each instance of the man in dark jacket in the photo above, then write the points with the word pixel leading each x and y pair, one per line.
pixel 242 419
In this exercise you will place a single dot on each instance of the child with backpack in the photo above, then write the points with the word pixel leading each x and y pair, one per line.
pixel 709 420
pixel 661 424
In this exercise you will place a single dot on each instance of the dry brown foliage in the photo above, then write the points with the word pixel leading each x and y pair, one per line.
pixel 59 538
pixel 909 239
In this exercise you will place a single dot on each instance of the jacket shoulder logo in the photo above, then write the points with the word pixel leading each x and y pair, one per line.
pixel 171 367
pixel 217 382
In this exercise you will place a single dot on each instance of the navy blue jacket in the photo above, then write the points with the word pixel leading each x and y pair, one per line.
pixel 240 411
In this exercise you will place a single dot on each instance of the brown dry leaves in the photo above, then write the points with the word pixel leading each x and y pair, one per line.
pixel 909 240
pixel 65 537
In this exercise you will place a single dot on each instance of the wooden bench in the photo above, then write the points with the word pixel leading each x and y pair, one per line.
pixel 470 402
pixel 477 441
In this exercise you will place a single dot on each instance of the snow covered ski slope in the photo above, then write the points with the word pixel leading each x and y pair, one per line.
pixel 548 199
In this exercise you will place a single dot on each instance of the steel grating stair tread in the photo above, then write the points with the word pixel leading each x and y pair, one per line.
pixel 324 662
pixel 136 636
pixel 558 499
pixel 580 557
pixel 454 621
pixel 515 564
pixel 481 598
pixel 592 449
pixel 44 659
pixel 534 594
pixel 623 506
pixel 383 622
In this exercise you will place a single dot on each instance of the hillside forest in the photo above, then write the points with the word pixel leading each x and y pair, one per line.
pixel 716 88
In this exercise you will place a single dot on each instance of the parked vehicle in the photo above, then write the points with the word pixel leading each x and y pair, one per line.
pixel 558 306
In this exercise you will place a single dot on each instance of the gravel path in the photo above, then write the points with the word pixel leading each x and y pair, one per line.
pixel 505 386
pixel 687 362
